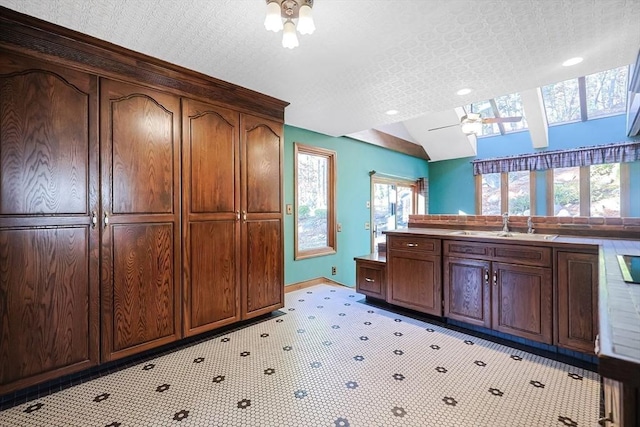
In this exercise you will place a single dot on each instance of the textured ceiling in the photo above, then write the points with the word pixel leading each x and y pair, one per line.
pixel 367 57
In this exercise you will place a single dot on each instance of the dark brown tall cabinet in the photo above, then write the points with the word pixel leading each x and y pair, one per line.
pixel 211 216
pixel 232 208
pixel 262 238
pixel 140 202
pixel 49 324
pixel 140 154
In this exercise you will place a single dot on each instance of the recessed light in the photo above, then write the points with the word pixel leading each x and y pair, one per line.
pixel 572 61
pixel 391 112
pixel 465 91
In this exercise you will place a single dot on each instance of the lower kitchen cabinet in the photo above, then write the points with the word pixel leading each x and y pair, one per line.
pixel 576 300
pixel 371 275
pixel 521 301
pixel 513 297
pixel 467 293
pixel 414 273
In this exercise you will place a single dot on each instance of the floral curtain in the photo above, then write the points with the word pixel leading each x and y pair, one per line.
pixel 612 153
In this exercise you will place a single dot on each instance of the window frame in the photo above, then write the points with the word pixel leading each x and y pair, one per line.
pixel 332 240
pixel 585 190
pixel 549 191
pixel 504 192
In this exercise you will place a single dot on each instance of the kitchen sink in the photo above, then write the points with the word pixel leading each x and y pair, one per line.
pixel 504 234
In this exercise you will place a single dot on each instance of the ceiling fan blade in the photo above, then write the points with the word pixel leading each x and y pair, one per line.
pixel 501 119
pixel 443 127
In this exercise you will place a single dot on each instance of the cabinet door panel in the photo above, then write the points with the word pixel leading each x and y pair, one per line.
pixel 264 288
pixel 44 310
pixel 213 295
pixel 467 290
pixel 143 300
pixel 45 144
pixel 521 302
pixel 414 282
pixel 212 138
pixel 141 248
pixel 142 159
pixel 263 165
pixel 577 300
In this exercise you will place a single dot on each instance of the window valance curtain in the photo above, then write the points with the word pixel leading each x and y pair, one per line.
pixel 612 153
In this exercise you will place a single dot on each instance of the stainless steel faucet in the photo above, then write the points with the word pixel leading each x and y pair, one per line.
pixel 530 228
pixel 505 222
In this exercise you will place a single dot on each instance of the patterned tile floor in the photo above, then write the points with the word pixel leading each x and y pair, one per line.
pixel 330 361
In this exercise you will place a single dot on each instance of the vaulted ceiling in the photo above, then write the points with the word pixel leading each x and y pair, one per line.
pixel 367 57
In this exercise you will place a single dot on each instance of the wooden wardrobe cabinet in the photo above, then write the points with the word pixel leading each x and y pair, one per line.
pixel 140 220
pixel 49 315
pixel 211 216
pixel 140 202
pixel 232 216
pixel 262 267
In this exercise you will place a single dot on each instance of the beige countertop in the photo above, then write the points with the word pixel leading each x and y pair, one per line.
pixel 618 301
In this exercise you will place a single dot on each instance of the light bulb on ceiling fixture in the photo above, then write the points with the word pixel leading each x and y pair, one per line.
pixel 273 20
pixel 305 20
pixel 294 13
pixel 289 37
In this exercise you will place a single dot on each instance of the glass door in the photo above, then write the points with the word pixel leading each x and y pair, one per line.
pixel 393 202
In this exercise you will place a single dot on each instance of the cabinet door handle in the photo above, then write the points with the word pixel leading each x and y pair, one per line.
pixel 495 278
pixel 106 220
pixel 486 276
pixel 237 215
pixel 412 245
pixel 244 216
pixel 94 219
pixel 366 279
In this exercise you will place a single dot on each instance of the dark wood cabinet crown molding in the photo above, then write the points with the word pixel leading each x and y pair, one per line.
pixel 28 35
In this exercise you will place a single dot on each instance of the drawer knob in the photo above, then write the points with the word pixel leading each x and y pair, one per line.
pixel 366 279
pixel 412 245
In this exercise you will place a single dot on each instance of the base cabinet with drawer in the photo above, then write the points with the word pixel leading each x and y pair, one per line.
pixel 414 273
pixel 371 275
pixel 504 287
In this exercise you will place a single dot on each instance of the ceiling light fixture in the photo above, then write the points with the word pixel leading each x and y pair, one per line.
pixel 572 61
pixel 465 91
pixel 296 15
pixel 391 112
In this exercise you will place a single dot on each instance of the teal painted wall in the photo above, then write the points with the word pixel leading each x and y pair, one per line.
pixel 451 187
pixel 451 183
pixel 354 161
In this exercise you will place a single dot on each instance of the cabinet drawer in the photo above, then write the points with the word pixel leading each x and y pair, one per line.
pixel 370 279
pixel 467 249
pixel 526 255
pixel 418 244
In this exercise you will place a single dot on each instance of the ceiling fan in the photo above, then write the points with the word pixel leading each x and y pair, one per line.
pixel 472 122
